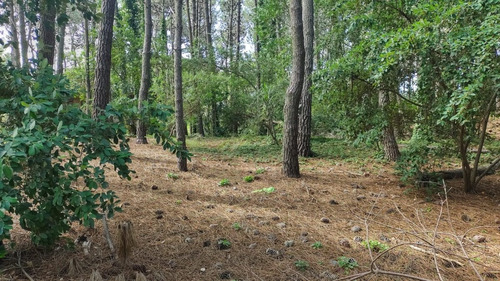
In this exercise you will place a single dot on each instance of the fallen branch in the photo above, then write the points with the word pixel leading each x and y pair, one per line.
pixel 21 267
pixel 452 261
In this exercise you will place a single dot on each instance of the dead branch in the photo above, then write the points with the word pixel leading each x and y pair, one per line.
pixel 21 267
pixel 455 262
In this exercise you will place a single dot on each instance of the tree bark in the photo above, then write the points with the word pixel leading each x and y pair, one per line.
pixel 88 89
pixel 208 29
pixel 238 32
pixel 190 27
pixel 201 130
pixel 146 71
pixel 180 126
pixel 391 149
pixel 290 130
pixel 304 139
pixel 22 34
pixel 60 45
pixel 47 39
pixel 15 55
pixel 230 34
pixel 257 48
pixel 102 92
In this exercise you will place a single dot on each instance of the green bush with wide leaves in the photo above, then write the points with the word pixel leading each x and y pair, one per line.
pixel 53 157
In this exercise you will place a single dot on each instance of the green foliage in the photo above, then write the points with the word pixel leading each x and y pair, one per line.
pixel 223 243
pixel 48 149
pixel 260 171
pixel 301 265
pixel 173 176
pixel 224 182
pixel 248 179
pixel 375 245
pixel 317 245
pixel 346 263
pixel 267 190
pixel 236 226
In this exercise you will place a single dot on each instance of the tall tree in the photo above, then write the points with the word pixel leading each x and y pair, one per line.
pixel 47 39
pixel 146 70
pixel 292 98
pixel 304 140
pixel 238 31
pixel 61 35
pixel 102 92
pixel 14 36
pixel 180 126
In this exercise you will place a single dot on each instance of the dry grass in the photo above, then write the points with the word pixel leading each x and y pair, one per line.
pixel 177 225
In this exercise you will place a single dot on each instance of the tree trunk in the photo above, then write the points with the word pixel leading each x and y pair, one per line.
pixel 60 45
pixel 88 93
pixel 102 92
pixel 257 48
pixel 208 28
pixel 47 39
pixel 290 130
pixel 230 34
pixel 238 32
pixel 190 27
pixel 16 61
pixel 22 34
pixel 304 140
pixel 146 71
pixel 180 126
pixel 391 149
pixel 201 130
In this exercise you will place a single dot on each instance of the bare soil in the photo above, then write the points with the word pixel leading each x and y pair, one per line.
pixel 178 223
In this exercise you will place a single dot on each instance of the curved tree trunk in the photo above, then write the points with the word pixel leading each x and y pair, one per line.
pixel 146 71
pixel 102 92
pixel 47 40
pixel 304 140
pixel 290 130
pixel 180 126
pixel 391 149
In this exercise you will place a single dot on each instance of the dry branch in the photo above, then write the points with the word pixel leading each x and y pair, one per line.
pixel 452 261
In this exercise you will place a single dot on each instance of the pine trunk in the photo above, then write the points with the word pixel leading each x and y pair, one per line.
pixel 304 140
pixel 180 126
pixel 146 71
pixel 88 89
pixel 238 32
pixel 292 99
pixel 102 92
pixel 391 149
pixel 47 39
pixel 60 45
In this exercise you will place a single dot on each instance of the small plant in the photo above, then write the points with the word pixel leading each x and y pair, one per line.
pixel 267 190
pixel 178 202
pixel 449 240
pixel 224 182
pixel 248 179
pixel 317 245
pixel 375 245
pixel 236 226
pixel 301 265
pixel 173 176
pixel 347 263
pixel 223 244
pixel 260 171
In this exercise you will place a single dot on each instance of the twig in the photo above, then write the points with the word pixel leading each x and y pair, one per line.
pixel 434 242
pixel 437 255
pixel 21 267
pixel 107 236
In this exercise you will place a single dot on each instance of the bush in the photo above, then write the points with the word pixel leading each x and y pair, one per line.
pixel 47 147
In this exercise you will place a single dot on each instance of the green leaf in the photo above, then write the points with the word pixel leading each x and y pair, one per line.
pixel 7 172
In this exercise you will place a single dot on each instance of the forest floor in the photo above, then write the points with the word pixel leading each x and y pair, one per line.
pixel 183 221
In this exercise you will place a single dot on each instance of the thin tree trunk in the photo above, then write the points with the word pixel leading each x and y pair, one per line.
pixel 391 149
pixel 257 48
pixel 47 31
pixel 292 98
pixel 180 126
pixel 60 45
pixel 208 27
pixel 201 130
pixel 238 31
pixel 146 71
pixel 88 93
pixel 22 34
pixel 304 140
pixel 16 61
pixel 102 92
pixel 190 26
pixel 230 34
